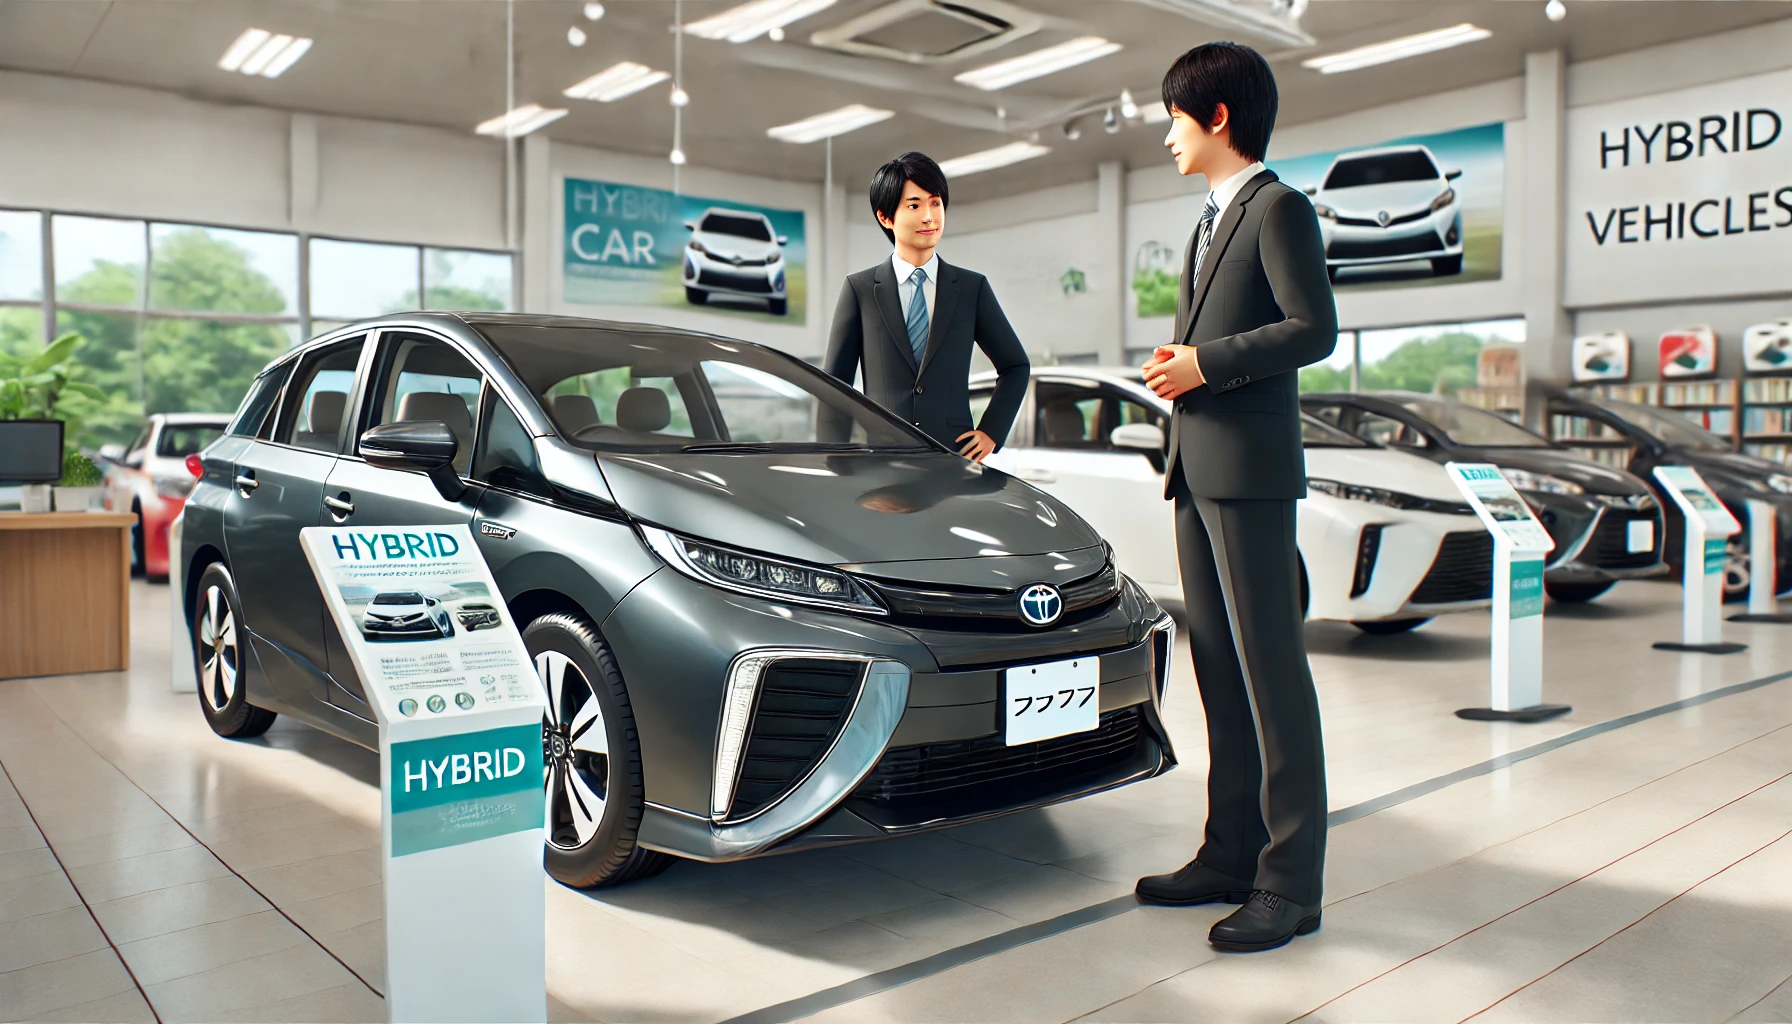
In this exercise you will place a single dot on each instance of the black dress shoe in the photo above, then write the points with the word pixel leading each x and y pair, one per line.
pixel 1264 922
pixel 1195 883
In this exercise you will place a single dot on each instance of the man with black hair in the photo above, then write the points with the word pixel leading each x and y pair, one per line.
pixel 1255 306
pixel 911 320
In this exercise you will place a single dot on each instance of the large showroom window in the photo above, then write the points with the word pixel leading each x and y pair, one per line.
pixel 181 317
pixel 1456 359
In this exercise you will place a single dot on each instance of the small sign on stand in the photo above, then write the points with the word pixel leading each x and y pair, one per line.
pixel 460 711
pixel 1708 525
pixel 1763 565
pixel 1520 544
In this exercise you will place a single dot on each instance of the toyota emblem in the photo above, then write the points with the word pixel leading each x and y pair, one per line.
pixel 1381 217
pixel 1041 604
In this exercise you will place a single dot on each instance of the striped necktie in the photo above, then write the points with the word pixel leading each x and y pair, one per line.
pixel 1204 232
pixel 917 314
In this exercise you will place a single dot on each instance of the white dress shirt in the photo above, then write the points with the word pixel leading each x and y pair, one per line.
pixel 906 292
pixel 1228 190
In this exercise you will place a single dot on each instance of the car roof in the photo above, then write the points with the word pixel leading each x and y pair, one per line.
pixel 1382 151
pixel 181 419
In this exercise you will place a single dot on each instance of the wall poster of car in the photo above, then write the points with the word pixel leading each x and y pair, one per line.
pixel 631 246
pixel 1767 348
pixel 1688 352
pixel 1413 211
pixel 1601 357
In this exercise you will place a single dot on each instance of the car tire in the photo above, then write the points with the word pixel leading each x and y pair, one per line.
pixel 1389 627
pixel 696 296
pixel 1445 265
pixel 220 645
pixel 1738 573
pixel 588 709
pixel 777 307
pixel 1575 593
pixel 139 561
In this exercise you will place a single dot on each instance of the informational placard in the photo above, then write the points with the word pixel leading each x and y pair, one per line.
pixel 1708 526
pixel 460 712
pixel 1520 545
pixel 1763 566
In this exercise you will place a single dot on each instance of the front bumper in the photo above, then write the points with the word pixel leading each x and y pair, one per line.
pixel 1592 539
pixel 920 745
pixel 720 276
pixel 1438 234
pixel 1368 562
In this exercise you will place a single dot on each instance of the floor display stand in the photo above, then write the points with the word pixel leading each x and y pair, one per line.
pixel 460 713
pixel 1520 544
pixel 1763 566
pixel 182 675
pixel 1708 525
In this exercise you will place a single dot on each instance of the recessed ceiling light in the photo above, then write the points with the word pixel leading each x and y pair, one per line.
pixel 617 81
pixel 830 124
pixel 260 52
pixel 1396 49
pixel 755 18
pixel 521 121
pixel 1005 73
pixel 990 159
pixel 575 35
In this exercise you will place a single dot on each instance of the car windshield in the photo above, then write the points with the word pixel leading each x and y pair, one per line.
pixel 645 389
pixel 1411 165
pixel 1317 434
pixel 1670 428
pixel 407 597
pixel 1466 425
pixel 178 442
pixel 741 227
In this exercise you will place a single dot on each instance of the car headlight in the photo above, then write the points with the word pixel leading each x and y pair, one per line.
pixel 776 257
pixel 1392 499
pixel 1525 480
pixel 760 575
pixel 1325 211
pixel 1444 200
pixel 697 246
pixel 1780 482
pixel 174 485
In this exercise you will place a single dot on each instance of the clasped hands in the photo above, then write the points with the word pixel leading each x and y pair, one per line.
pixel 1173 371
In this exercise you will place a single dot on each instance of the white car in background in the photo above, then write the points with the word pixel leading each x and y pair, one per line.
pixel 1386 541
pixel 735 253
pixel 1389 205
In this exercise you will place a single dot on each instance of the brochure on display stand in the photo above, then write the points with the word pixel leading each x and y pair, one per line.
pixel 460 713
pixel 1709 525
pixel 1520 546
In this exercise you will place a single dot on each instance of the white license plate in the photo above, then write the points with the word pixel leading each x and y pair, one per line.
pixel 1053 699
pixel 1641 535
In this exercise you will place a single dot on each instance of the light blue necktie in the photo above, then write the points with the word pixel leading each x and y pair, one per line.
pixel 1204 231
pixel 917 315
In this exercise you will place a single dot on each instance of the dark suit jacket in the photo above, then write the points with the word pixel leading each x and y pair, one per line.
pixel 932 393
pixel 1261 310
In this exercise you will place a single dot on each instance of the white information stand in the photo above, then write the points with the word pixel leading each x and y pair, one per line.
pixel 1763 566
pixel 1520 544
pixel 1708 525
pixel 460 713
pixel 183 676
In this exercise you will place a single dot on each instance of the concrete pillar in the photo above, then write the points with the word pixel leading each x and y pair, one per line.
pixel 835 215
pixel 1548 329
pixel 1107 278
pixel 538 250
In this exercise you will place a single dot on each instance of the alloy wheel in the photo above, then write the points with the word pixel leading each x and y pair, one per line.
pixel 575 753
pixel 1736 566
pixel 218 652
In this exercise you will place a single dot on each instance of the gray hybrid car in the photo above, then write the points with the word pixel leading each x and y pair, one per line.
pixel 768 614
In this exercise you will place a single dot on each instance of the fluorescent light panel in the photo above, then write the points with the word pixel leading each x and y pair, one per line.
pixel 990 159
pixel 613 83
pixel 521 121
pixel 1397 49
pixel 751 20
pixel 260 52
pixel 830 124
pixel 1005 73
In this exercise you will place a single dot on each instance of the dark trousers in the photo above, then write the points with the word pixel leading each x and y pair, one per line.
pixel 1266 777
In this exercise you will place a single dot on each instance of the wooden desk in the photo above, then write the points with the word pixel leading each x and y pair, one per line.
pixel 65 592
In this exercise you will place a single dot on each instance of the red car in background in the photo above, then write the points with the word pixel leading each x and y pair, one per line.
pixel 151 478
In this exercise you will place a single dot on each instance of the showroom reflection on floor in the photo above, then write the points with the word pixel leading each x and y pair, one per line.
pixel 296 816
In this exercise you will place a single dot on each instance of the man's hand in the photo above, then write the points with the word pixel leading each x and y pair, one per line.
pixel 1173 371
pixel 978 447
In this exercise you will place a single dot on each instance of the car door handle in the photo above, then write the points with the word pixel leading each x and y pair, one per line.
pixel 339 509
pixel 246 482
pixel 1037 476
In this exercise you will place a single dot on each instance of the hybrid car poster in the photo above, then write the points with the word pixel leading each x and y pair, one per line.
pixel 631 246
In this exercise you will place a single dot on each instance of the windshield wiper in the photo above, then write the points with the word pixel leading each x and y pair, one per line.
pixel 766 447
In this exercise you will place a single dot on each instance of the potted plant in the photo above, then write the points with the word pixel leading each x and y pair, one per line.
pixel 79 489
pixel 30 389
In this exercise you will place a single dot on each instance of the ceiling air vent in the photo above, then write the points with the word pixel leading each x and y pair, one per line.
pixel 929 31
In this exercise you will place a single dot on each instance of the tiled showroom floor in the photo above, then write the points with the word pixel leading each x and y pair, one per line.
pixel 149 870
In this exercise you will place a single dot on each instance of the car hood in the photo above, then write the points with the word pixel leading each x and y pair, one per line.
pixel 734 245
pixel 1383 468
pixel 1396 197
pixel 1724 469
pixel 841 509
pixel 1592 476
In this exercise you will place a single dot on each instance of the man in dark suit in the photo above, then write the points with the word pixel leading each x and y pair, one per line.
pixel 911 320
pixel 1256 305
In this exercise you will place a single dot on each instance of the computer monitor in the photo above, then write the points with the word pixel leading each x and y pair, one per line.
pixel 30 451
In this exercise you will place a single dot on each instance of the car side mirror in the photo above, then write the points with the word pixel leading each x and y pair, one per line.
pixel 1452 175
pixel 1147 437
pixel 1311 190
pixel 112 452
pixel 418 446
pixel 690 225
pixel 783 239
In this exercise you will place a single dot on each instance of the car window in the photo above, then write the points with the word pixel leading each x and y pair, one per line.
pixel 1665 425
pixel 594 404
pixel 425 378
pixel 751 228
pixel 1332 414
pixel 312 416
pixel 1593 438
pixel 759 406
pixel 1315 433
pixel 506 454
pixel 263 393
pixel 1410 165
pixel 138 443
pixel 1379 429
pixel 1467 425
pixel 1069 415
pixel 180 441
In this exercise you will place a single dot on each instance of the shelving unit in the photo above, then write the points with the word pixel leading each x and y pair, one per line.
pixel 1507 402
pixel 1594 440
pixel 1767 418
pixel 1642 393
pixel 1711 404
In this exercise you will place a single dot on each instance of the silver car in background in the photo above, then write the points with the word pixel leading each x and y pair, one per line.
pixel 1389 205
pixel 735 253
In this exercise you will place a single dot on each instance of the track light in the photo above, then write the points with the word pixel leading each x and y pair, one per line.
pixel 1128 108
pixel 677 157
pixel 1110 122
pixel 594 11
pixel 1071 131
pixel 775 34
pixel 680 98
pixel 576 36
pixel 1556 10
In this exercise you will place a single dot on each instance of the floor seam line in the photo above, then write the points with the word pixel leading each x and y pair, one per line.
pixel 1764 995
pixel 104 934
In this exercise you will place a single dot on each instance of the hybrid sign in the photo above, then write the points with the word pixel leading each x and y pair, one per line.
pixel 1709 525
pixel 460 713
pixel 1520 545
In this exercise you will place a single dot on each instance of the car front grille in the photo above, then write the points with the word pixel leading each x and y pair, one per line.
pixel 994 611
pixel 1370 222
pixel 1611 544
pixel 1462 570
pixel 736 282
pixel 986 771
pixel 801 708
pixel 1345 249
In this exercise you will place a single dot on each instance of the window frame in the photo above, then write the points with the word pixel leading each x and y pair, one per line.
pixel 290 397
